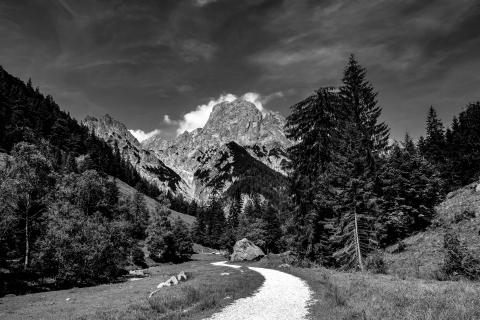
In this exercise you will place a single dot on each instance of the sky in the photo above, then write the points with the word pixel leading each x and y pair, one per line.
pixel 159 66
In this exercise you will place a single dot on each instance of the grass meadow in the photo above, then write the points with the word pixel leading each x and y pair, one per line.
pixel 205 292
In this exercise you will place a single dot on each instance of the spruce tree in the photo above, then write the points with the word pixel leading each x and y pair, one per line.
pixel 315 125
pixel 434 148
pixel 359 161
pixel 412 187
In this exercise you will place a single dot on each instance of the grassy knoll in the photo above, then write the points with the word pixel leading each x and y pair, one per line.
pixel 205 292
pixel 343 296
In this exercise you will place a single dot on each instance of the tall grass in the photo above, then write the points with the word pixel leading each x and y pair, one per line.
pixel 379 297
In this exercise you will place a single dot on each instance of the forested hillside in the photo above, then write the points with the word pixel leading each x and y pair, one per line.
pixel 27 115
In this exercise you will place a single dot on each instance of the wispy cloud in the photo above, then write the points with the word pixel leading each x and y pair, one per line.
pixel 141 135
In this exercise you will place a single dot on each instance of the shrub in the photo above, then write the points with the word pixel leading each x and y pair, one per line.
pixel 458 261
pixel 466 214
pixel 375 263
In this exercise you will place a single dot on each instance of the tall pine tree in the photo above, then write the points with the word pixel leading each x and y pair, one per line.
pixel 364 142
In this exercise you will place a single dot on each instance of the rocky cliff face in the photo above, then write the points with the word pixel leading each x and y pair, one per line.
pixel 259 135
pixel 144 161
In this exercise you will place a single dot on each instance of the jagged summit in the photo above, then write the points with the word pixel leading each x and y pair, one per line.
pixel 239 121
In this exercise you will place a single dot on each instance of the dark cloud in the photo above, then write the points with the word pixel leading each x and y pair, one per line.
pixel 142 60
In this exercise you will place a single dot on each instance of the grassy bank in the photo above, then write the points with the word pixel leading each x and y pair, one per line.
pixel 205 292
pixel 342 296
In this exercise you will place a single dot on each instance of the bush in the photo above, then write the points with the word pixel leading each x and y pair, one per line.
pixel 458 261
pixel 375 263
pixel 466 214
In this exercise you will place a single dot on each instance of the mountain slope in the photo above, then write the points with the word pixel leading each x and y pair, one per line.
pixel 128 191
pixel 27 115
pixel 144 161
pixel 424 252
pixel 234 171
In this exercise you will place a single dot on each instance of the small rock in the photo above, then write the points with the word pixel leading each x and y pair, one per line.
pixel 134 279
pixel 224 273
pixel 67 299
pixel 170 282
pixel 182 276
pixel 284 265
pixel 136 273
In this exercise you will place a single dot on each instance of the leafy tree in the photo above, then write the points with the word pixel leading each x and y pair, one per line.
pixel 167 241
pixel 27 181
pixel 161 240
pixel 183 240
pixel 82 249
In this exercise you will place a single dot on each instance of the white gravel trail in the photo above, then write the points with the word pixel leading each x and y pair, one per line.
pixel 281 297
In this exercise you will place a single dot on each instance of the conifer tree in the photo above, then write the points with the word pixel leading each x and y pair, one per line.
pixel 315 125
pixel 232 223
pixel 412 187
pixel 359 160
pixel 434 148
pixel 138 215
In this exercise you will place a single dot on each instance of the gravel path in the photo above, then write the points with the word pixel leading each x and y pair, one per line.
pixel 281 297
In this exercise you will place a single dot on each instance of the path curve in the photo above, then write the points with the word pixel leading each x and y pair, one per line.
pixel 281 297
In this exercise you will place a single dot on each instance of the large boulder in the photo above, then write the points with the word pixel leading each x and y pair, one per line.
pixel 246 250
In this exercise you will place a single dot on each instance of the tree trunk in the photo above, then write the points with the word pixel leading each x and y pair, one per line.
pixel 27 243
pixel 357 240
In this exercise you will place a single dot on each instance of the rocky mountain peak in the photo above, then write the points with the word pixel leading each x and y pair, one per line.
pixel 238 109
pixel 107 126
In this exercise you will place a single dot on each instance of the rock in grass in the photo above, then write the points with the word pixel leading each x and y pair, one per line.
pixel 246 250
pixel 182 276
pixel 170 282
pixel 137 273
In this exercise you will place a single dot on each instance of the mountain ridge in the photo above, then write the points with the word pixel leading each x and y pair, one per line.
pixel 195 163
